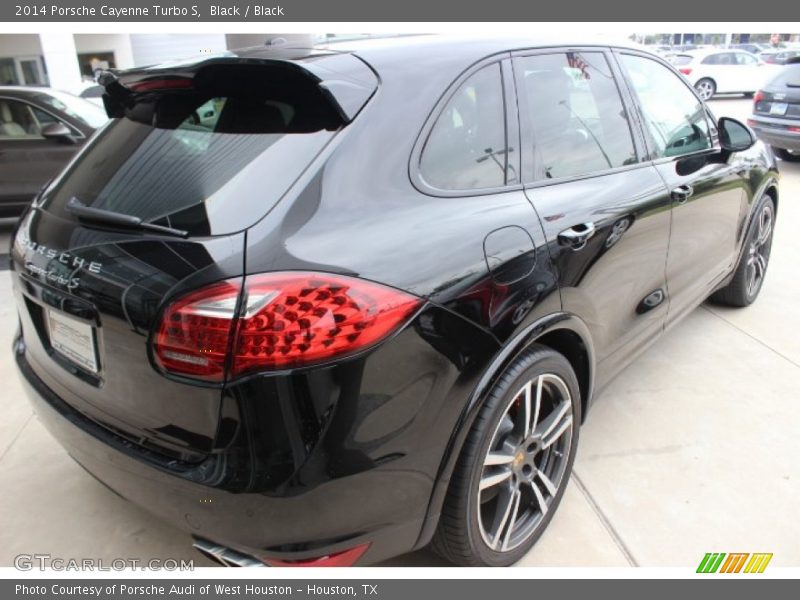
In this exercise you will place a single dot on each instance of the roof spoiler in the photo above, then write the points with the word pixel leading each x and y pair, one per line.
pixel 342 81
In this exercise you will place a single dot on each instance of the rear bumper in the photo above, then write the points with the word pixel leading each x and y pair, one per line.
pixel 368 479
pixel 775 133
pixel 368 507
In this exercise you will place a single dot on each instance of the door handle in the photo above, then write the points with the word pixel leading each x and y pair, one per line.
pixel 576 236
pixel 682 193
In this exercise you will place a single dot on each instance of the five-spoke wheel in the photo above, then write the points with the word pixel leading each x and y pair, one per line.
pixel 759 249
pixel 515 463
pixel 748 277
pixel 706 88
pixel 525 464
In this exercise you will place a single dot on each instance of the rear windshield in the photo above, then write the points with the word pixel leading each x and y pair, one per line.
pixel 211 166
pixel 680 59
pixel 788 76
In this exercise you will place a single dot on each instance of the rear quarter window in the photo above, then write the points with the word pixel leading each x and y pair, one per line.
pixel 466 149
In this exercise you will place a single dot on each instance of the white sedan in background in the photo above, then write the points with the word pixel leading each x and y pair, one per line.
pixel 721 71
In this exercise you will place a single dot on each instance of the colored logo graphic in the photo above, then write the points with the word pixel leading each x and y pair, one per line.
pixel 737 562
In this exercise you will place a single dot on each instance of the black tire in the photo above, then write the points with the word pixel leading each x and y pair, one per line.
pixel 705 88
pixel 743 290
pixel 461 536
pixel 786 155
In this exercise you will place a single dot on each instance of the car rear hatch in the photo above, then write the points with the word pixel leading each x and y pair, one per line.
pixel 158 203
pixel 780 98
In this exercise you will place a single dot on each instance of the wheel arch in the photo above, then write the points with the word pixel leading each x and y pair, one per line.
pixel 769 187
pixel 772 191
pixel 564 333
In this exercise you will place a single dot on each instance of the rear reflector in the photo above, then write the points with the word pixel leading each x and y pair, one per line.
pixel 285 320
pixel 346 558
pixel 685 70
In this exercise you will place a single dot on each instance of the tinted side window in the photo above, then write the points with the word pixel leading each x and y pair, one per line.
pixel 466 148
pixel 17 120
pixel 729 58
pixel 743 58
pixel 25 121
pixel 578 121
pixel 674 118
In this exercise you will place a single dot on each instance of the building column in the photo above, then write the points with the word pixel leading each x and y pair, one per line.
pixel 61 59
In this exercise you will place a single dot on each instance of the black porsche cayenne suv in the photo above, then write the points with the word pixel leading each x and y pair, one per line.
pixel 326 306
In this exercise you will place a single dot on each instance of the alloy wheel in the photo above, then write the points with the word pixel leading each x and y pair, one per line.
pixel 705 89
pixel 758 252
pixel 525 464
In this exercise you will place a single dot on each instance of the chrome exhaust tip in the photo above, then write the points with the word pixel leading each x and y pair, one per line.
pixel 225 556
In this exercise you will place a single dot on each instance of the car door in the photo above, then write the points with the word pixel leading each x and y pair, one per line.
pixel 605 212
pixel 708 195
pixel 27 159
pixel 723 68
pixel 499 272
pixel 751 72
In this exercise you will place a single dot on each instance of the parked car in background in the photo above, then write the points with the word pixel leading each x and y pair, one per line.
pixel 94 94
pixel 40 130
pixel 722 71
pixel 240 311
pixel 661 50
pixel 779 56
pixel 776 112
pixel 751 48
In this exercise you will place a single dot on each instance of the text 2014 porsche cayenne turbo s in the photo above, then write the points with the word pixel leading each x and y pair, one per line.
pixel 326 306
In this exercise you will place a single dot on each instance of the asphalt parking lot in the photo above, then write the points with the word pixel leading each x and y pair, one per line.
pixel 693 449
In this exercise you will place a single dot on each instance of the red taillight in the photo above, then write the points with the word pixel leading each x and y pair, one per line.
pixel 286 320
pixel 194 335
pixel 685 70
pixel 346 558
pixel 150 85
pixel 758 97
pixel 794 129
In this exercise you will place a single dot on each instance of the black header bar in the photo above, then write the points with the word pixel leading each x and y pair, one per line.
pixel 268 11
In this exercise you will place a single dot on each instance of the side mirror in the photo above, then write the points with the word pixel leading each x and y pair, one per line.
pixel 734 136
pixel 58 132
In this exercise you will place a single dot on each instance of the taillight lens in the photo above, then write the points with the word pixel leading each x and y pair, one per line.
pixel 294 319
pixel 194 335
pixel 758 97
pixel 286 320
pixel 685 70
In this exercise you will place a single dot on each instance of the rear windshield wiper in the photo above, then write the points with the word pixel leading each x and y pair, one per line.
pixel 109 217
